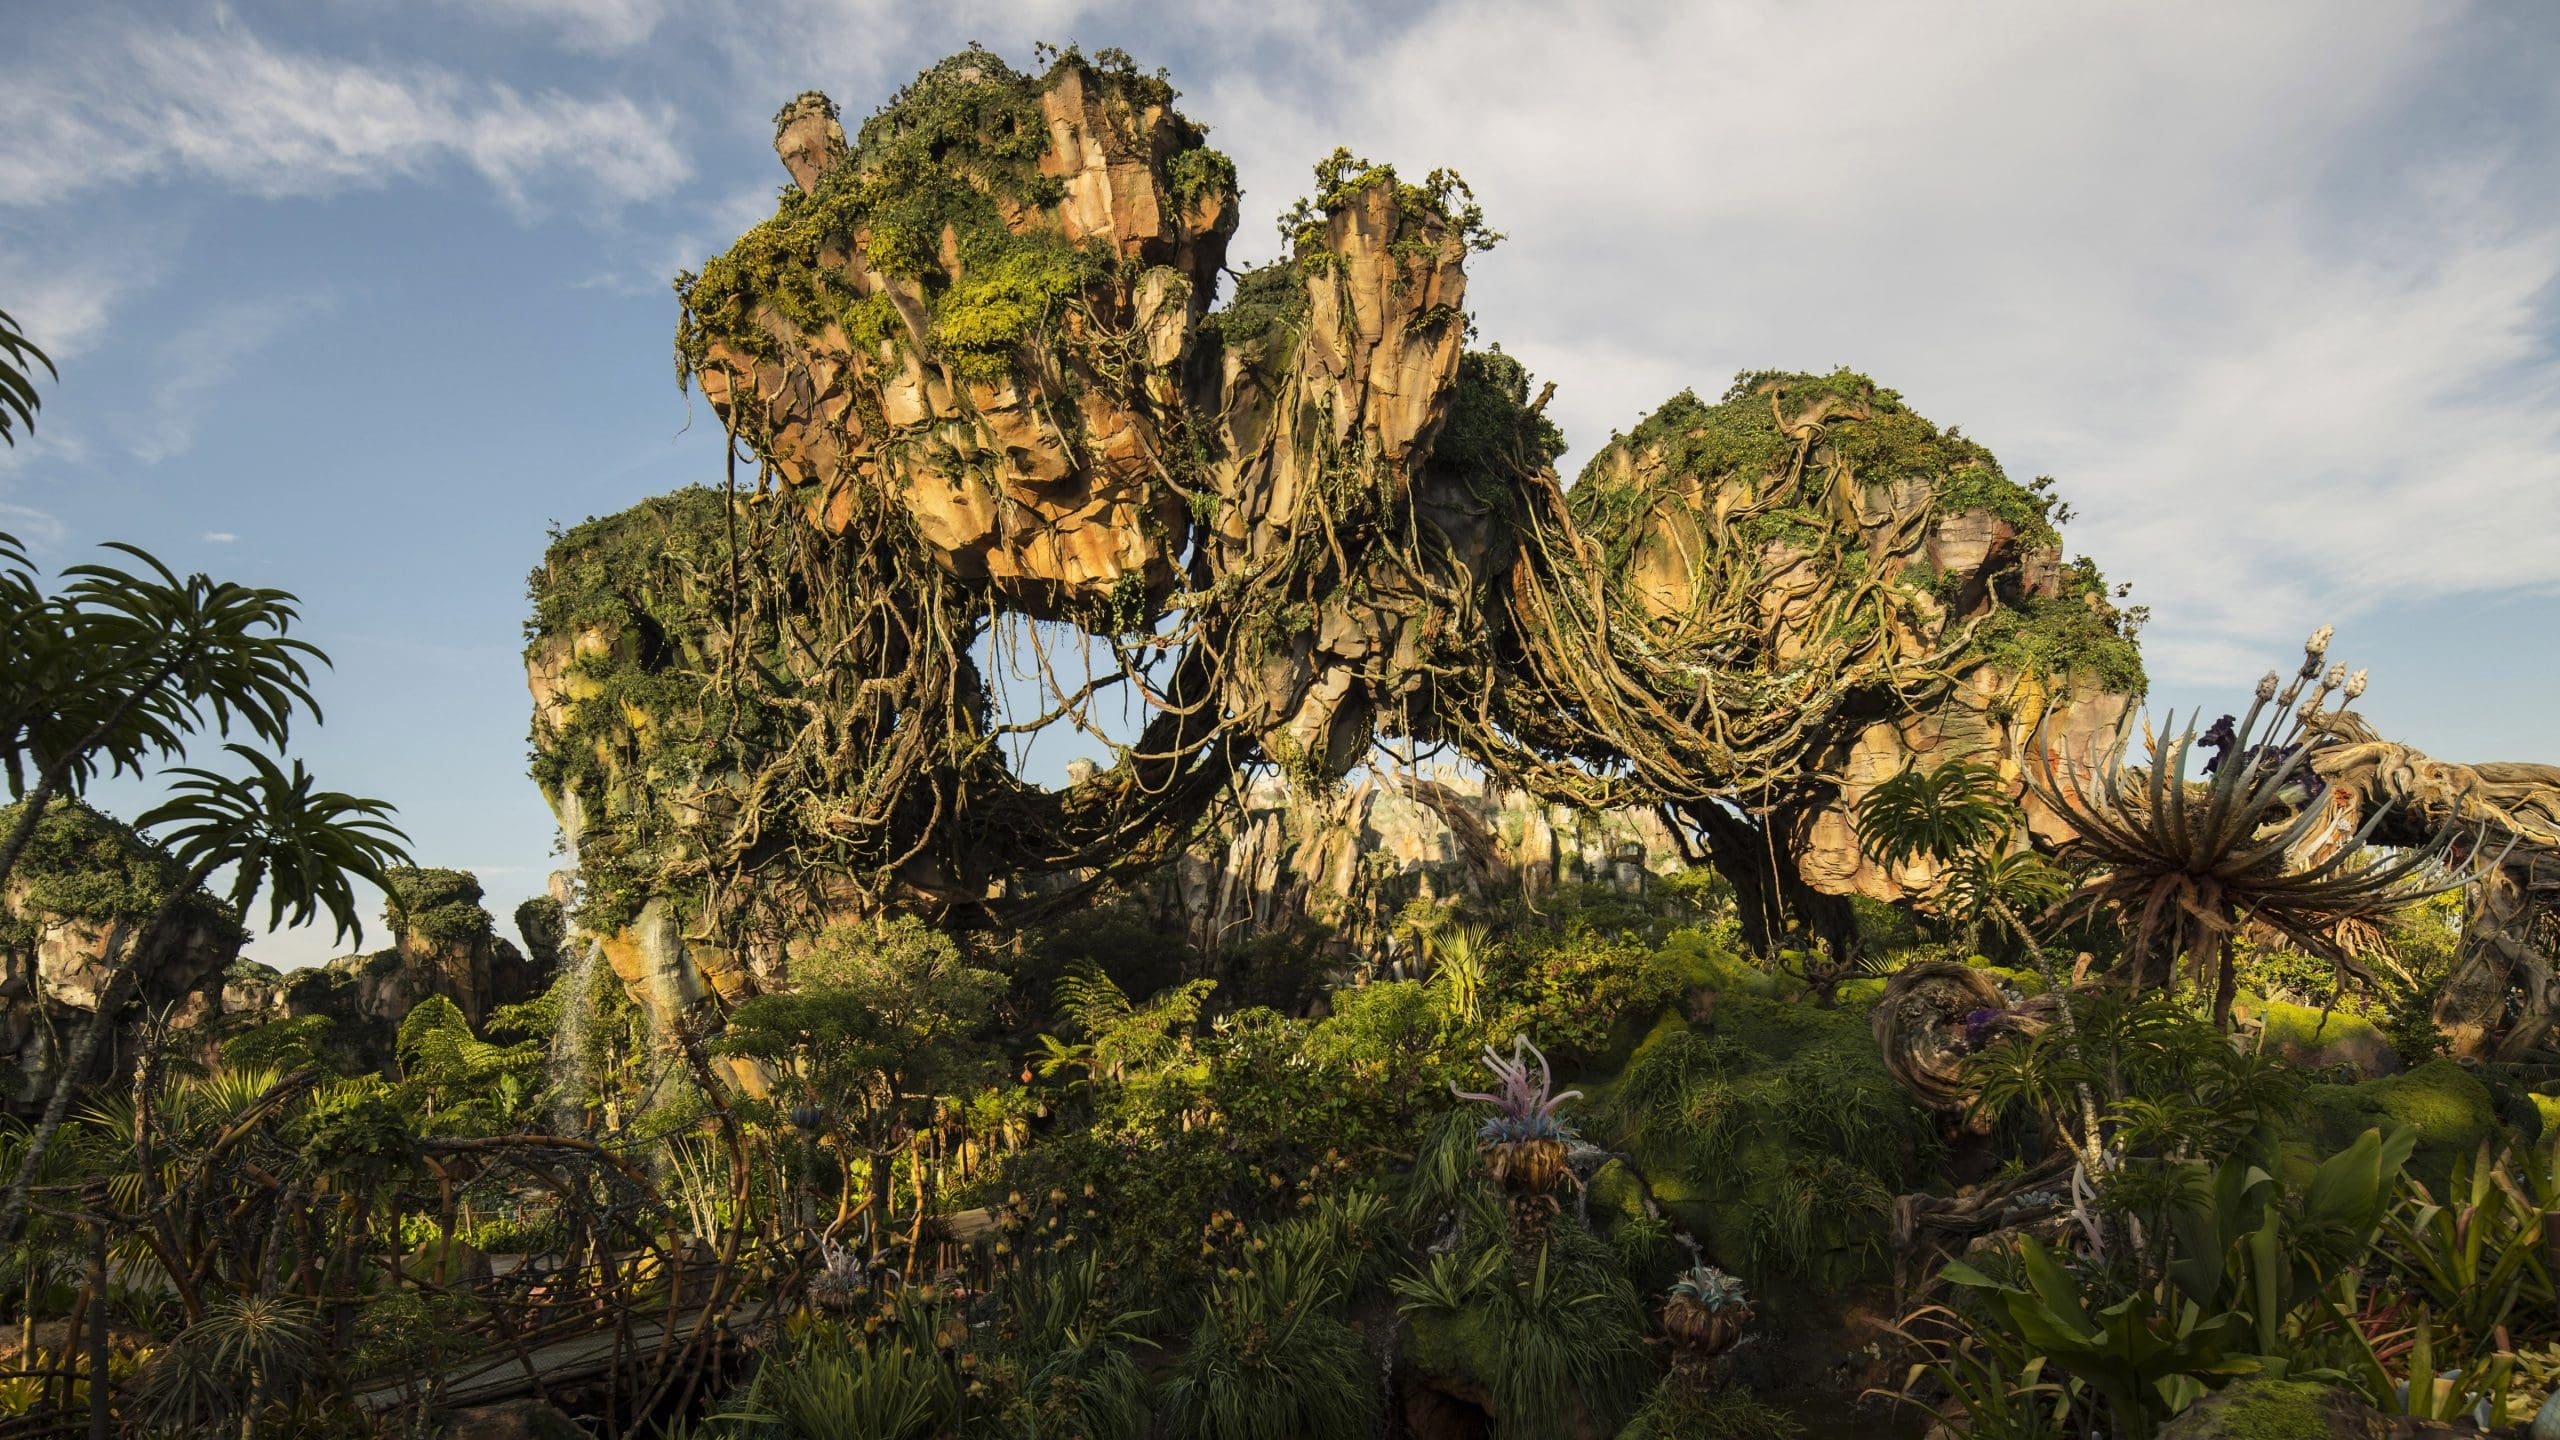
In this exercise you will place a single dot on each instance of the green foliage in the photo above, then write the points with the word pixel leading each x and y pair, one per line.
pixel 834 1384
pixel 1492 434
pixel 19 358
pixel 2247 1285
pixel 991 310
pixel 356 1130
pixel 2063 635
pixel 287 1044
pixel 305 847
pixel 439 906
pixel 1266 297
pixel 246 1351
pixel 949 156
pixel 1065 1367
pixel 1551 1334
pixel 1681 1409
pixel 1571 990
pixel 118 668
pixel 465 1081
pixel 1776 1135
pixel 1273 1358
pixel 1442 203
pixel 881 1016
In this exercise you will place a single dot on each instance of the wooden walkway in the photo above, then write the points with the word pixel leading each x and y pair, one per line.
pixel 576 1359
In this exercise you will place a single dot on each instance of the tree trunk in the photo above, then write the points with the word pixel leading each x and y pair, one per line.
pixel 1757 857
pixel 98 1332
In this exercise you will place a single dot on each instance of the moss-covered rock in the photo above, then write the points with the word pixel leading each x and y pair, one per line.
pixel 1772 1133
pixel 2313 1041
pixel 2260 1408
pixel 2448 1107
pixel 82 890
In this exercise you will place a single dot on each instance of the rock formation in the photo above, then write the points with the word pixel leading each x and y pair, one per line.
pixel 2502 1000
pixel 80 893
pixel 443 944
pixel 1352 860
pixel 1012 458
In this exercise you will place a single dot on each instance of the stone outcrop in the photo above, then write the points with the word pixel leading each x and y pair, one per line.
pixel 443 944
pixel 80 897
pixel 1050 512
pixel 1352 859
pixel 2255 1407
pixel 999 410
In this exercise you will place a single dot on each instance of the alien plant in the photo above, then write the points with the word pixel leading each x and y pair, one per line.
pixel 1524 1144
pixel 2254 841
pixel 1706 1312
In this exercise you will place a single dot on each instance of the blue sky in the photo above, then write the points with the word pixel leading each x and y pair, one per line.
pixel 355 297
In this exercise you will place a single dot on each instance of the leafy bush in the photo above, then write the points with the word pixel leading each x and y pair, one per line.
pixel 1272 1358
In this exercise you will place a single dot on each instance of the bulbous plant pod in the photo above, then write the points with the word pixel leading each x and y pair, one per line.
pixel 1531 1167
pixel 1699 1333
pixel 1706 1314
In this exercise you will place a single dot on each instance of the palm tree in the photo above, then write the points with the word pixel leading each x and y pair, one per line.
pixel 304 847
pixel 18 359
pixel 122 667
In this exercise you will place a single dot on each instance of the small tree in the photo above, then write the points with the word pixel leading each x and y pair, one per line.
pixel 881 1020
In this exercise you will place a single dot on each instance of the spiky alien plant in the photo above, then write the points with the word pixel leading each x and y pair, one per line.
pixel 1706 1311
pixel 1525 1142
pixel 2253 840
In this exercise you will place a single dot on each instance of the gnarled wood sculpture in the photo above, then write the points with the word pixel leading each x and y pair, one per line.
pixel 2502 1000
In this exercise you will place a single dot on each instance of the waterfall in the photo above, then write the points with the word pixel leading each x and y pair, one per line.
pixel 567 1072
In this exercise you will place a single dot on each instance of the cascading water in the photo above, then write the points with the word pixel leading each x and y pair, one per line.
pixel 571 1045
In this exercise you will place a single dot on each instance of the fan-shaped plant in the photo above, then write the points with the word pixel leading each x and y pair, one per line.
pixel 2190 861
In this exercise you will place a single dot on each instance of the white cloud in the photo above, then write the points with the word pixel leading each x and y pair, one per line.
pixel 589 25
pixel 221 104
pixel 193 364
pixel 36 527
pixel 219 537
pixel 2278 325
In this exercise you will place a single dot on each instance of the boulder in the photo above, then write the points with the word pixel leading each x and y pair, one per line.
pixel 2258 1408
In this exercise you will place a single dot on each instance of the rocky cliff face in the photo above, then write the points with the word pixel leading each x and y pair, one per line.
pixel 443 944
pixel 1351 860
pixel 81 893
